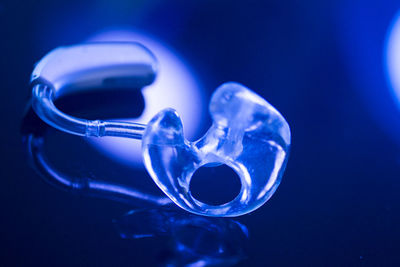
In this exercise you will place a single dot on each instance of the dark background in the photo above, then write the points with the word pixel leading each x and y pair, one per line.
pixel 320 63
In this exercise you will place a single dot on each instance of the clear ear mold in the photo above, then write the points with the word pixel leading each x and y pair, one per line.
pixel 248 135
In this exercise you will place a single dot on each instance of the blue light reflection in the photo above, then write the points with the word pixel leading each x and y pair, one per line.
pixel 369 49
pixel 392 53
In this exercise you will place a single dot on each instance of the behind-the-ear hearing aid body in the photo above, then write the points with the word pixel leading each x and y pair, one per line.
pixel 247 134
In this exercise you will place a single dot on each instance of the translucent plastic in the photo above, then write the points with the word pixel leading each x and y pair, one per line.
pixel 247 134
pixel 85 67
pixel 42 103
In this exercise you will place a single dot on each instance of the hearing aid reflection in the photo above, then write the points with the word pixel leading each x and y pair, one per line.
pixel 196 240
pixel 192 240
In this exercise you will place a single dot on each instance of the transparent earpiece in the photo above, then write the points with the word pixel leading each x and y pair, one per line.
pixel 247 134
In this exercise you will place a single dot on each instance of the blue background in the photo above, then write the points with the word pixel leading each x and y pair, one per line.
pixel 320 63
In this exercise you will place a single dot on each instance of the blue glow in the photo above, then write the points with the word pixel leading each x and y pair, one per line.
pixel 392 53
pixel 370 48
pixel 175 86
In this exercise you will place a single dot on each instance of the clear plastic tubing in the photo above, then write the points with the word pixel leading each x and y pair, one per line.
pixel 42 103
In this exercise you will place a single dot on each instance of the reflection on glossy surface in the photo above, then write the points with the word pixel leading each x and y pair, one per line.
pixel 83 185
pixel 196 240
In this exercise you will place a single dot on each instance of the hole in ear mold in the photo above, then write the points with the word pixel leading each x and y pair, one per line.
pixel 215 185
